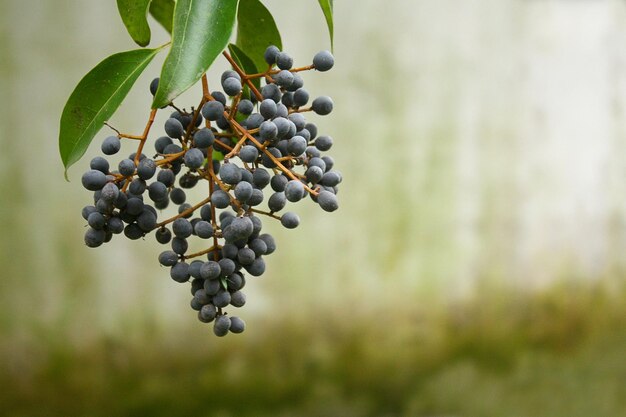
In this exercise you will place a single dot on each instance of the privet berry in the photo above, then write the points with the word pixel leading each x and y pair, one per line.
pixel 111 145
pixel 323 61
pixel 258 155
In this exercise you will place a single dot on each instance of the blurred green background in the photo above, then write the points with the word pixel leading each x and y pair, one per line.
pixel 476 266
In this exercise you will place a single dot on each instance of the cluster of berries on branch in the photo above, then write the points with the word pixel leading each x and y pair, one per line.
pixel 252 149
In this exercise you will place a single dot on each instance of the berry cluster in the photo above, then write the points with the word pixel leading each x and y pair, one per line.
pixel 242 141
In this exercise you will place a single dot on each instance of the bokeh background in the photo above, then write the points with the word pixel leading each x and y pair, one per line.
pixel 476 266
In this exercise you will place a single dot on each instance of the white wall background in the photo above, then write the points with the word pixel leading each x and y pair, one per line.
pixel 480 140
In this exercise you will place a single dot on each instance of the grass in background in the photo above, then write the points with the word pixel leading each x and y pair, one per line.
pixel 558 353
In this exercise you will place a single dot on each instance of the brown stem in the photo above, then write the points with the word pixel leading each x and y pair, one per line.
pixel 223 145
pixel 181 112
pixel 142 141
pixel 126 184
pixel 192 124
pixel 170 158
pixel 302 177
pixel 145 135
pixel 276 71
pixel 127 136
pixel 300 110
pixel 113 129
pixel 202 252
pixel 265 213
pixel 184 213
pixel 233 106
pixel 235 151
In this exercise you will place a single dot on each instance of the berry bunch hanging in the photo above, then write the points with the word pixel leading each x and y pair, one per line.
pixel 248 145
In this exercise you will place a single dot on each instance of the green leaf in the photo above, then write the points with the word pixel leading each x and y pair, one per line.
pixel 134 15
pixel 256 30
pixel 95 99
pixel 245 63
pixel 327 8
pixel 224 283
pixel 200 32
pixel 163 12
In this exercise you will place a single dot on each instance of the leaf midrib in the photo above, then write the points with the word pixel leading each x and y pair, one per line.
pixel 179 49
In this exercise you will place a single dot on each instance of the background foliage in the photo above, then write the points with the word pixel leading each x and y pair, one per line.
pixel 494 286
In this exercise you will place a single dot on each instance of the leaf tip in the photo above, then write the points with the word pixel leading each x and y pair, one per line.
pixel 143 43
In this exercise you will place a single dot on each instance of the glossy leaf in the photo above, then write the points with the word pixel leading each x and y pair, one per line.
pixel 134 14
pixel 200 33
pixel 256 30
pixel 245 63
pixel 163 12
pixel 95 99
pixel 327 8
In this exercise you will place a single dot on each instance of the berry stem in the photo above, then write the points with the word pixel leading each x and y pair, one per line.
pixel 127 136
pixel 203 252
pixel 183 213
pixel 300 110
pixel 235 151
pixel 145 135
pixel 170 158
pixel 119 135
pixel 270 71
pixel 305 68
pixel 142 142
pixel 265 213
pixel 223 145
pixel 192 124
pixel 176 108
pixel 233 106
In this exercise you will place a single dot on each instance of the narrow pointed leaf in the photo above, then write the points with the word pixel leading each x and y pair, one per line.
pixel 245 63
pixel 163 12
pixel 95 99
pixel 200 33
pixel 327 8
pixel 134 14
pixel 256 30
